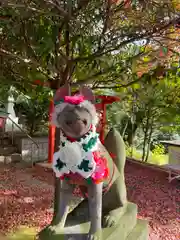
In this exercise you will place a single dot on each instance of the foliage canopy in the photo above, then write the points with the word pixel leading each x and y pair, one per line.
pixel 81 41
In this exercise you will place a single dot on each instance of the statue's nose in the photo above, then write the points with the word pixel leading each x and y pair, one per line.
pixel 77 126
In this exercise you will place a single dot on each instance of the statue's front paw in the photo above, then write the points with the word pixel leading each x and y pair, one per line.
pixel 112 218
pixel 109 221
pixel 96 236
pixel 49 231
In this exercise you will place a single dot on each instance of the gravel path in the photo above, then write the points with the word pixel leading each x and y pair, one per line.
pixel 24 200
pixel 158 201
pixel 26 197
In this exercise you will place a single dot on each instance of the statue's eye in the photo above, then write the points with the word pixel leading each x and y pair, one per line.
pixel 85 122
pixel 68 122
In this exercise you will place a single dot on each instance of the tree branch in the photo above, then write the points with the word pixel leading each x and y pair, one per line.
pixel 124 85
pixel 105 71
pixel 106 21
pixel 24 60
pixel 57 46
pixel 101 51
pixel 82 4
pixel 119 86
pixel 12 55
pixel 27 40
pixel 55 5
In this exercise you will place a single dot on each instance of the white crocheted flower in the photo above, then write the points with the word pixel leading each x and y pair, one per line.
pixel 71 154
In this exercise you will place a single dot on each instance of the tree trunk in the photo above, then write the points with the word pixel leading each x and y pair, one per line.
pixel 124 129
pixel 131 133
pixel 149 142
pixel 139 116
pixel 144 145
pixel 32 128
pixel 146 130
pixel 145 138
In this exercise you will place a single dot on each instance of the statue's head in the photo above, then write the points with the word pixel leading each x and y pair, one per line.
pixel 75 115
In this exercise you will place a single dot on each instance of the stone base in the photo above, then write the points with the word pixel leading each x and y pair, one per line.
pixel 128 228
pixel 76 231
pixel 13 158
pixel 140 231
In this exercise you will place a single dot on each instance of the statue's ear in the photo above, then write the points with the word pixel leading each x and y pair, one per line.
pixel 87 93
pixel 61 93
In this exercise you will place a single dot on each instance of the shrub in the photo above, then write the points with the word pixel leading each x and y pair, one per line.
pixel 133 152
pixel 156 157
pixel 159 149
pixel 33 108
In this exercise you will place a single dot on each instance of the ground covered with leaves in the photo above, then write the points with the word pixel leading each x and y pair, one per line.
pixel 26 199
pixel 157 200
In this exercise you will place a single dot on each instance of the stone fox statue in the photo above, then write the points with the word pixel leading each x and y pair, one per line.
pixel 82 160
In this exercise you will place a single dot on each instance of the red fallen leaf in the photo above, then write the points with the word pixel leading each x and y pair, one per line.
pixel 8 192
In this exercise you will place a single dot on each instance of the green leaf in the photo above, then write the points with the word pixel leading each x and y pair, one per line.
pixel 165 50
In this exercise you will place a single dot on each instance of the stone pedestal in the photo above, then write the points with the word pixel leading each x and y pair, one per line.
pixel 128 228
